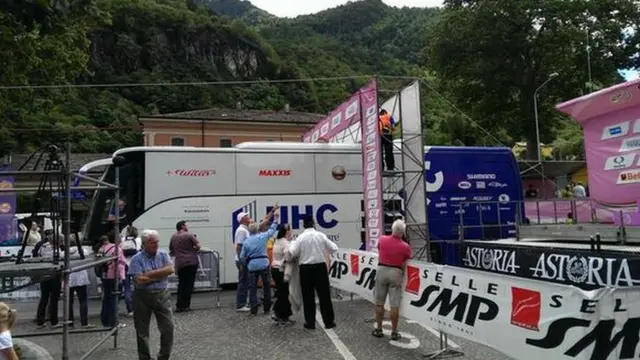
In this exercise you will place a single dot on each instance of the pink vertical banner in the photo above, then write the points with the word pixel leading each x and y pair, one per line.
pixel 371 167
pixel 611 122
pixel 340 118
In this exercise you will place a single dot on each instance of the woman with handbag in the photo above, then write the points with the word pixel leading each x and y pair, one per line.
pixel 282 307
pixel 111 272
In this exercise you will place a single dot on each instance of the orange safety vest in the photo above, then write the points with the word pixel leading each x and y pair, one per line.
pixel 384 124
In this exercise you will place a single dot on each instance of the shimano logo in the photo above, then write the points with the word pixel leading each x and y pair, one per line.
pixel 481 176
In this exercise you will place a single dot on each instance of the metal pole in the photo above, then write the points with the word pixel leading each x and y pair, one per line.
pixel 116 229
pixel 588 56
pixel 65 275
pixel 34 189
pixel 535 109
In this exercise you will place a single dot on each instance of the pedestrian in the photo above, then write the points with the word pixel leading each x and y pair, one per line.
pixel 393 254
pixel 49 289
pixel 112 272
pixel 282 306
pixel 78 284
pixel 184 247
pixel 254 257
pixel 130 246
pixel 242 232
pixel 7 319
pixel 311 248
pixel 150 269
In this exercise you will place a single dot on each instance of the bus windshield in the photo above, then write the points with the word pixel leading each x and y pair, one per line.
pixel 102 216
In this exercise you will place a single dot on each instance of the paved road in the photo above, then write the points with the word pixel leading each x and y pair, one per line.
pixel 221 333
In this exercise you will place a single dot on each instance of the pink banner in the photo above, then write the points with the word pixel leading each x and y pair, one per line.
pixel 342 117
pixel 371 167
pixel 611 122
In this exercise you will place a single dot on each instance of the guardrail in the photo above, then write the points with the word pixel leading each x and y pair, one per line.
pixel 554 219
pixel 207 279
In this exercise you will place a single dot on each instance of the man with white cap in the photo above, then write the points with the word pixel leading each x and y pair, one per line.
pixel 242 233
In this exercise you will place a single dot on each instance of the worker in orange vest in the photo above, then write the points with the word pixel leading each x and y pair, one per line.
pixel 386 125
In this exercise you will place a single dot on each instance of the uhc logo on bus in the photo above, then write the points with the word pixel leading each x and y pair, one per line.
pixel 324 215
pixel 294 214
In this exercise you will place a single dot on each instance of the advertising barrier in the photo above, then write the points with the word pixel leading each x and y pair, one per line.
pixel 525 319
pixel 371 168
pixel 611 122
pixel 342 118
pixel 584 269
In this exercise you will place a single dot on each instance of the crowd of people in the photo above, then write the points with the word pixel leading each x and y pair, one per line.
pixel 298 268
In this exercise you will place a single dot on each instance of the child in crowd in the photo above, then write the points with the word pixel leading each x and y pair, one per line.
pixel 7 318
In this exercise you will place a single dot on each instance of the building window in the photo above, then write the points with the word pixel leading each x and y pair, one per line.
pixel 177 141
pixel 226 143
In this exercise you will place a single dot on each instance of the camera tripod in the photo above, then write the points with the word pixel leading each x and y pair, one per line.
pixel 52 186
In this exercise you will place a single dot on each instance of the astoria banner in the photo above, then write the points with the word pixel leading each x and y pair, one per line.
pixel 584 269
pixel 345 115
pixel 525 319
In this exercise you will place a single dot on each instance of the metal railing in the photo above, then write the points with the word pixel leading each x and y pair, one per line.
pixel 553 219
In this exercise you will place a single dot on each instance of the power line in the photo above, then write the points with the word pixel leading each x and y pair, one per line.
pixel 192 83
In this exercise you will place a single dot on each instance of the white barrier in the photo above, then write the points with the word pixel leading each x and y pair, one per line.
pixel 525 319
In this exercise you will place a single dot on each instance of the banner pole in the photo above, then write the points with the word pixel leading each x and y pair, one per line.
pixel 445 352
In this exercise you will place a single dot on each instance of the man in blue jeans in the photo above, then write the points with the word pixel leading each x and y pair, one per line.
pixel 254 257
pixel 242 233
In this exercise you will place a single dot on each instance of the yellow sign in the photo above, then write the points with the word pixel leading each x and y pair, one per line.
pixel 4 184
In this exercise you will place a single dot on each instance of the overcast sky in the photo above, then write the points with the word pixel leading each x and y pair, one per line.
pixel 292 8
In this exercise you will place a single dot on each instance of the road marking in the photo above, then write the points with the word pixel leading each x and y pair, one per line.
pixel 435 332
pixel 340 346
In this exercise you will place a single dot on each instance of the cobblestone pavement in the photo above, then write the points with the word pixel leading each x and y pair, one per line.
pixel 221 333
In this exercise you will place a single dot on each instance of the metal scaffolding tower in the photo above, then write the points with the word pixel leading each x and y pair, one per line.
pixel 56 185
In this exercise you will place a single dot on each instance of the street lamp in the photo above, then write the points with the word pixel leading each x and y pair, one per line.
pixel 535 109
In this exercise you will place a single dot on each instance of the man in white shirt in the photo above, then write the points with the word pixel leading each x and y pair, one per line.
pixel 579 191
pixel 242 232
pixel 311 248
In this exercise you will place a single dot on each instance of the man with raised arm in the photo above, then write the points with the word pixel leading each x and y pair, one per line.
pixel 241 234
pixel 254 257
pixel 150 269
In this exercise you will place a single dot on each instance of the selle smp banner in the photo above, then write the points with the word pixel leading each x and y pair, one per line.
pixel 584 269
pixel 525 319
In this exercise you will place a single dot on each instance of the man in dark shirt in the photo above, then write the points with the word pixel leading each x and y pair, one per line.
pixel 184 247
pixel 531 193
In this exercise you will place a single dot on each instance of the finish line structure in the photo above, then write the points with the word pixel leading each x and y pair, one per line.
pixel 387 195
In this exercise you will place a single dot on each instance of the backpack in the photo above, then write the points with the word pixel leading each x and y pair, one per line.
pixel 102 269
pixel 129 247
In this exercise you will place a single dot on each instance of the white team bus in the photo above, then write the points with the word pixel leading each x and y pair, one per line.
pixel 208 187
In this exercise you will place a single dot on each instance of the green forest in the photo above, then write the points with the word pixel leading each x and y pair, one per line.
pixel 480 63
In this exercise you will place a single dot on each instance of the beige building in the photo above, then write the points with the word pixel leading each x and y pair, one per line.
pixel 225 127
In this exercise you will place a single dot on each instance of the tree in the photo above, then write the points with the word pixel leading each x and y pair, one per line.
pixel 493 55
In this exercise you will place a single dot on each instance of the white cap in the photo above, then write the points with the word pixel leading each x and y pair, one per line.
pixel 241 215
